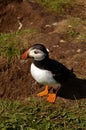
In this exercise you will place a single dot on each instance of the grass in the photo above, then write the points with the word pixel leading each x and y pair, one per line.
pixel 38 115
pixel 55 5
pixel 12 43
pixel 77 29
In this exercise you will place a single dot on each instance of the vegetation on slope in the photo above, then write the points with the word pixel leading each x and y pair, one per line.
pixel 38 115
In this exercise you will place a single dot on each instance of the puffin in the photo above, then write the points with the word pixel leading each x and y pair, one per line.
pixel 46 71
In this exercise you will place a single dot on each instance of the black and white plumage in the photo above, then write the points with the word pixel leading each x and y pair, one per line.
pixel 44 70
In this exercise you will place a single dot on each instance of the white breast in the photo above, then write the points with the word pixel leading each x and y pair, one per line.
pixel 42 76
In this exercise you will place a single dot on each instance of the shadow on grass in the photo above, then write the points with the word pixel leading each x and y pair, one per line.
pixel 73 89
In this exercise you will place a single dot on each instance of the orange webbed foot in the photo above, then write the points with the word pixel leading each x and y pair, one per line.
pixel 43 93
pixel 51 97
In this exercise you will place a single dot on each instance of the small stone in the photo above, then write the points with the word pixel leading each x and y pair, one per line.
pixel 47 25
pixel 54 24
pixel 31 23
pixel 69 26
pixel 62 41
pixel 79 50
pixel 55 45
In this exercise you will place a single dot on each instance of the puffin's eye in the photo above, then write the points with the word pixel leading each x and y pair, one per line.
pixel 36 52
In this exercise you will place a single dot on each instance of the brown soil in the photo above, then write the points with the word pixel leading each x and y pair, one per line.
pixel 16 82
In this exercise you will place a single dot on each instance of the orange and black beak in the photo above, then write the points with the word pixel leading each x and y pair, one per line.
pixel 25 55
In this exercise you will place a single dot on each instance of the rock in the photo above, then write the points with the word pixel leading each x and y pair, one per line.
pixel 62 41
pixel 54 24
pixel 79 50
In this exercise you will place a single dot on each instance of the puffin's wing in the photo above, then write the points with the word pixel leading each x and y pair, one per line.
pixel 59 71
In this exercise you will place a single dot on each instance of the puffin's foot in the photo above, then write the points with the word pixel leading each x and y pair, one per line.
pixel 51 97
pixel 43 93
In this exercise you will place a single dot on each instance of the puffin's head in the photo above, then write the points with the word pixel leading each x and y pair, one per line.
pixel 37 51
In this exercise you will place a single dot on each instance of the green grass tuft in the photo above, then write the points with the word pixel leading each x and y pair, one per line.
pixel 55 5
pixel 11 43
pixel 77 29
pixel 38 115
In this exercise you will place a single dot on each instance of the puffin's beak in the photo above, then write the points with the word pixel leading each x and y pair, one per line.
pixel 25 55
